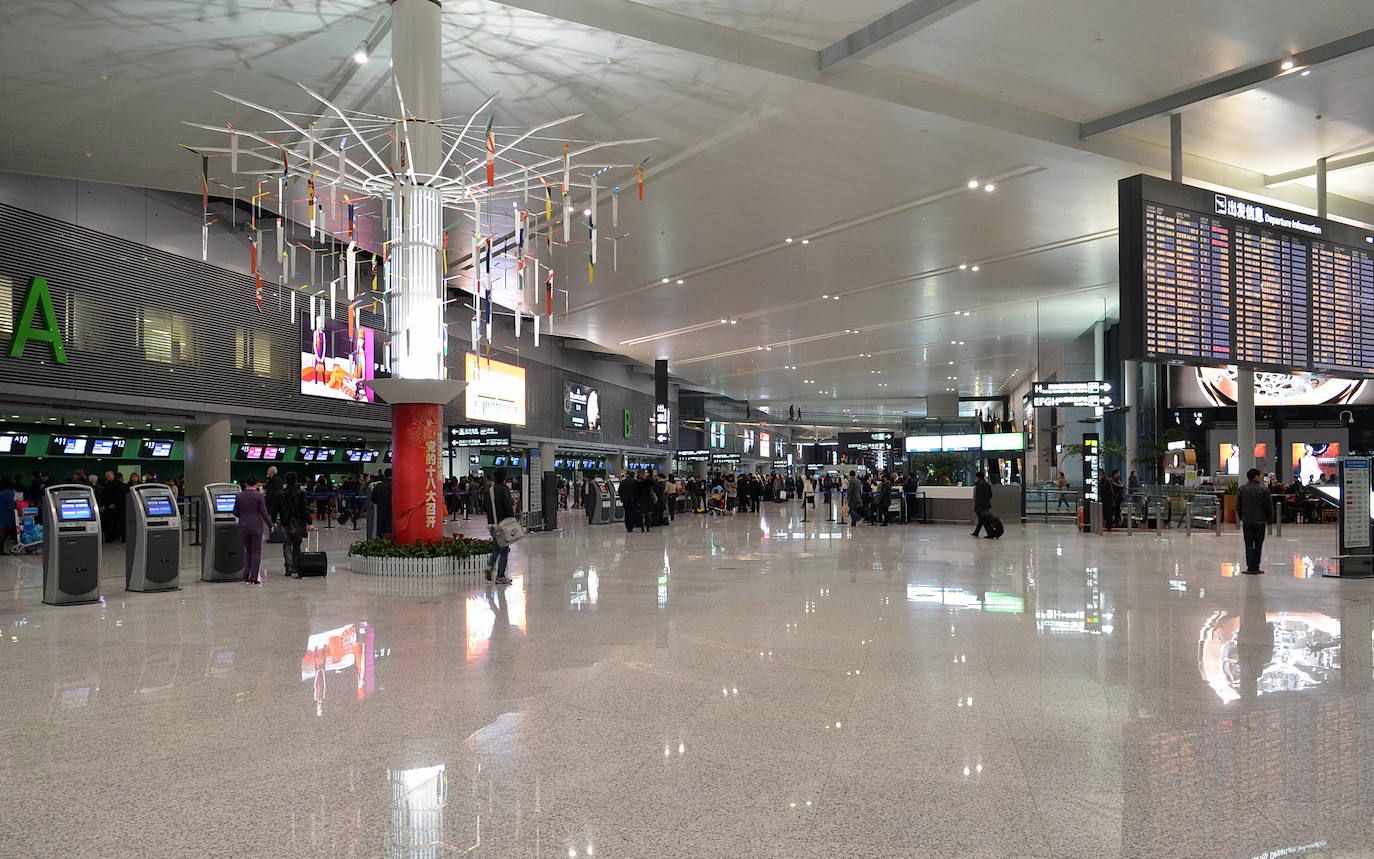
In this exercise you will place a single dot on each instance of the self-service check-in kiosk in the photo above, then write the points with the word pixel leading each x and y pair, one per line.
pixel 152 527
pixel 599 510
pixel 221 547
pixel 617 508
pixel 71 545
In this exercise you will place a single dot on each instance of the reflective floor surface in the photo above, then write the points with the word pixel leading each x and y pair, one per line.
pixel 749 687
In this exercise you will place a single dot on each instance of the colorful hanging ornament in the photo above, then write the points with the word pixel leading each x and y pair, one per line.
pixel 615 207
pixel 491 154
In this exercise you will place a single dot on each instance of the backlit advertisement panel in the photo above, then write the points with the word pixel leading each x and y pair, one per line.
pixel 495 391
pixel 335 364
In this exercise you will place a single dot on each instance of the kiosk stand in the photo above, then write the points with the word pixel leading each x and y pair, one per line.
pixel 599 510
pixel 617 508
pixel 152 559
pixel 221 550
pixel 1355 542
pixel 71 545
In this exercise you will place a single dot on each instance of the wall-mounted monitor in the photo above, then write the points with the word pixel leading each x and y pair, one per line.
pixel 152 448
pixel 15 444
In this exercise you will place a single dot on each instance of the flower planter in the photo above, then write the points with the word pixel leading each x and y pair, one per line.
pixel 422 567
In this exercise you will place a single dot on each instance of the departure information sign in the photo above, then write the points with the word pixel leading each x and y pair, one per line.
pixel 1208 278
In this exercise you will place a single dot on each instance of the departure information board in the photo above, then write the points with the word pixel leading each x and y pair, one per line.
pixel 1209 278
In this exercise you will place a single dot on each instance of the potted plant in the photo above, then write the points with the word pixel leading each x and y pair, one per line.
pixel 382 556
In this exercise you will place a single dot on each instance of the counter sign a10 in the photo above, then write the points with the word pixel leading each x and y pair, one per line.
pixel 1071 395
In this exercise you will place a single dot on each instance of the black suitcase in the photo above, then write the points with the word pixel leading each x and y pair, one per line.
pixel 312 564
pixel 992 525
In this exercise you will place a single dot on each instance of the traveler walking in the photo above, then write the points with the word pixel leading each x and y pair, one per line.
pixel 295 521
pixel 1254 509
pixel 499 505
pixel 982 503
pixel 854 498
pixel 251 509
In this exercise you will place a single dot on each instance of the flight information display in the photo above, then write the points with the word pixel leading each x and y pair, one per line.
pixel 1211 279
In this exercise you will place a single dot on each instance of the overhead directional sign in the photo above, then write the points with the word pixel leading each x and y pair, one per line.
pixel 1071 395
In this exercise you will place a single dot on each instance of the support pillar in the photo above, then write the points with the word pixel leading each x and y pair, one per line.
pixel 615 464
pixel 207 453
pixel 1245 419
pixel 546 453
pixel 1176 147
pixel 1130 383
pixel 1321 187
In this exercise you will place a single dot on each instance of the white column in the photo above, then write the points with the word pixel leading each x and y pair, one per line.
pixel 207 452
pixel 1245 419
pixel 413 276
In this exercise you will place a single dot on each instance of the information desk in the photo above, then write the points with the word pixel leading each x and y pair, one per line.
pixel 955 503
pixel 71 545
pixel 221 552
pixel 152 558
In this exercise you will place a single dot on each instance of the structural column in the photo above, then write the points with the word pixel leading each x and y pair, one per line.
pixel 615 464
pixel 1245 419
pixel 207 452
pixel 1130 383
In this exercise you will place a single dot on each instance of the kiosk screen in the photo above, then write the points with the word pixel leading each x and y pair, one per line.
pixel 224 502
pixel 74 509
pixel 159 505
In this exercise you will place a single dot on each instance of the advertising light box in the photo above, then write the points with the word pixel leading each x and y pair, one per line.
pixel 922 443
pixel 495 391
pixel 581 408
pixel 335 364
pixel 960 442
pixel 1004 441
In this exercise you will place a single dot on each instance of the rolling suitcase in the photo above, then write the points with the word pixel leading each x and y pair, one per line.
pixel 312 564
pixel 992 525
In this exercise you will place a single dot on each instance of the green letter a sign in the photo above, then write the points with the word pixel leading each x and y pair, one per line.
pixel 38 301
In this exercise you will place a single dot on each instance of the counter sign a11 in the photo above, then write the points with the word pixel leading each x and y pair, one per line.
pixel 1071 395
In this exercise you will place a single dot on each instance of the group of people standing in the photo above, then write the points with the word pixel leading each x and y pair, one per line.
pixel 871 500
pixel 649 500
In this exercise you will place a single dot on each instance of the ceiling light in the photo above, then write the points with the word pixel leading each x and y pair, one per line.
pixel 963 265
pixel 827 295
pixel 768 348
pixel 680 281
pixel 837 298
pixel 724 322
pixel 665 280
pixel 989 187
pixel 1286 65
pixel 586 213
pixel 975 268
pixel 734 321
pixel 973 183
pixel 806 241
pixel 360 53
pixel 758 348
pixel 1304 73
pixel 789 241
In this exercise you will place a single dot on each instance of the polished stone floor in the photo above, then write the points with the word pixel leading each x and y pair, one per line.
pixel 750 687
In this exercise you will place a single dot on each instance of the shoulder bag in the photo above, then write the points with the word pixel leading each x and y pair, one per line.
pixel 508 530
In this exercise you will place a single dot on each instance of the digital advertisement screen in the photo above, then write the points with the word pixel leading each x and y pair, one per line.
pixel 960 442
pixel 765 445
pixel 1314 462
pixel 1209 278
pixel 1200 387
pixel 495 391
pixel 1228 457
pixel 1004 441
pixel 75 509
pixel 922 443
pixel 14 444
pixel 155 449
pixel 224 502
pixel 159 505
pixel 62 445
pixel 335 364
pixel 581 408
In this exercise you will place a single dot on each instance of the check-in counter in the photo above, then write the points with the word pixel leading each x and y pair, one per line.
pixel 955 504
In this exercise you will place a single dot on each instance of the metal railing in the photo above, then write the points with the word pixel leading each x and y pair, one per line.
pixel 1052 504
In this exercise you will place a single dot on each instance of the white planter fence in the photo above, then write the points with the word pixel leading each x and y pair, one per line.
pixel 423 567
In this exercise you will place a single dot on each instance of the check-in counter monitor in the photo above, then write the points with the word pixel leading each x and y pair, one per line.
pixel 221 548
pixel 71 545
pixel 152 527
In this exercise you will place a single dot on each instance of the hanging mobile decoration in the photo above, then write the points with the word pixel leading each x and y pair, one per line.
pixel 491 154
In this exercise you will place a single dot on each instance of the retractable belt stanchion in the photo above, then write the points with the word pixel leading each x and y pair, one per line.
pixel 152 558
pixel 71 545
pixel 221 550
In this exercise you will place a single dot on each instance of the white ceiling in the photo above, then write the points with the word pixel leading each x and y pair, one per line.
pixel 870 163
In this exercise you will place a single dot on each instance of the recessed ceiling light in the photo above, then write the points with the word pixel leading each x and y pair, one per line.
pixel 1286 65
pixel 789 241
pixel 734 321
pixel 806 241
pixel 360 54
pixel 837 298
pixel 989 187
pixel 725 322
pixel 1304 73
pixel 680 281
pixel 827 295
pixel 665 280
pixel 973 183
pixel 963 265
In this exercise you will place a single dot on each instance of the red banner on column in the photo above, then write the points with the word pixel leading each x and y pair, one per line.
pixel 417 482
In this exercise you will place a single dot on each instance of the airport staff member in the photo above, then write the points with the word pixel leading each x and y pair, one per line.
pixel 1254 510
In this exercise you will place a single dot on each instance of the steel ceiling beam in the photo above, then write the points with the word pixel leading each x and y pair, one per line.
pixel 1307 172
pixel 892 27
pixel 1229 82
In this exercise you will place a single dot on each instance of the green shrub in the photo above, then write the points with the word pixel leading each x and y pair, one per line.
pixel 449 547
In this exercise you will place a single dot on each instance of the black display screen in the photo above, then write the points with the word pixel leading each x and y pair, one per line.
pixel 1211 279
pixel 155 449
pixel 16 444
